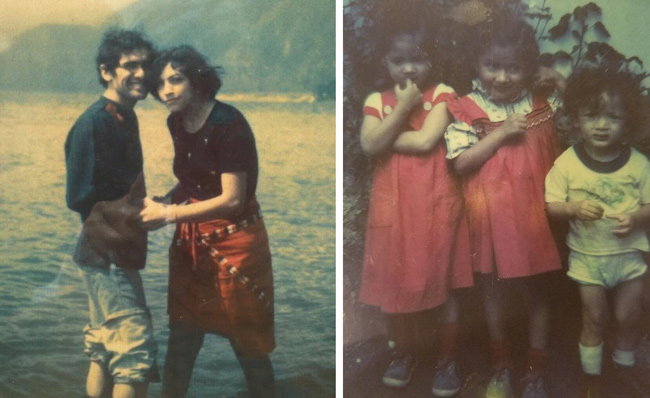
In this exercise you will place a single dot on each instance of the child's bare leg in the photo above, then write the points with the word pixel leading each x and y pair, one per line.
pixel 645 326
pixel 494 303
pixel 539 314
pixel 594 314
pixel 628 297
pixel 450 329
pixel 135 390
pixel 452 308
pixel 99 381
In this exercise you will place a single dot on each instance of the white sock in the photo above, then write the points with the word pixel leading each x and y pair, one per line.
pixel 623 358
pixel 591 358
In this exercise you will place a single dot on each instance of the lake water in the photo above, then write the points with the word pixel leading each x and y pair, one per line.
pixel 43 305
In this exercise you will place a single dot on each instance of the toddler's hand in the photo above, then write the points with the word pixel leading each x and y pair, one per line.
pixel 409 96
pixel 588 210
pixel 514 126
pixel 625 224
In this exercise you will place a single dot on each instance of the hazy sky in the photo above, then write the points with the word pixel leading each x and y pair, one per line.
pixel 16 16
pixel 625 19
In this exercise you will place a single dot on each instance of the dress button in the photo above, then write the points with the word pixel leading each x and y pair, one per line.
pixel 189 155
pixel 427 106
pixel 388 109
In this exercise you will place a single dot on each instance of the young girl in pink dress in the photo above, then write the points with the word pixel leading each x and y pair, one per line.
pixel 416 245
pixel 503 142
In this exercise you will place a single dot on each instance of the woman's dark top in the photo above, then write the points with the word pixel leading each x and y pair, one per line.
pixel 224 144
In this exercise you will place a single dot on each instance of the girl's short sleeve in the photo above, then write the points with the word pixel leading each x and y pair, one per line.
pixel 442 93
pixel 372 106
pixel 459 136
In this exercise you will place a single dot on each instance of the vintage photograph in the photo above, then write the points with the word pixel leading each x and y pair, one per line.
pixel 168 198
pixel 496 199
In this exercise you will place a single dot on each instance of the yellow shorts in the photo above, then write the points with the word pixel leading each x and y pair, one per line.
pixel 607 271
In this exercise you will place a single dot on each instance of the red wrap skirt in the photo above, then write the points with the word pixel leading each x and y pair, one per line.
pixel 221 280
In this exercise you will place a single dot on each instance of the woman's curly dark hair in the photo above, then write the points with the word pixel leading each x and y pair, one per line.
pixel 203 77
pixel 585 87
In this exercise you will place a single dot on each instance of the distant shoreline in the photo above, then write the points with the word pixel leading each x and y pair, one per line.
pixel 10 95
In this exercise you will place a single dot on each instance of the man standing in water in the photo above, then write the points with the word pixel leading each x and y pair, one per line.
pixel 104 185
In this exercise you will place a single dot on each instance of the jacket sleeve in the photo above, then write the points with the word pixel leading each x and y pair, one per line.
pixel 80 166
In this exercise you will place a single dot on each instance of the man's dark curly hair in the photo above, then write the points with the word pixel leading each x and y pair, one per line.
pixel 585 87
pixel 116 43
pixel 203 77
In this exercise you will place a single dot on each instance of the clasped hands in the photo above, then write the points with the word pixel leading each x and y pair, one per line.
pixel 156 213
pixel 588 210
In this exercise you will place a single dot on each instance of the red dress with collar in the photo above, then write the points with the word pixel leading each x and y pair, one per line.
pixel 417 243
pixel 504 199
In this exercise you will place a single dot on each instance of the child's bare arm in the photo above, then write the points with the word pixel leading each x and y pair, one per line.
pixel 628 222
pixel 473 158
pixel 377 136
pixel 432 131
pixel 585 210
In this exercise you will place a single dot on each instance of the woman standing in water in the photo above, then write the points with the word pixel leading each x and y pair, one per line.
pixel 220 276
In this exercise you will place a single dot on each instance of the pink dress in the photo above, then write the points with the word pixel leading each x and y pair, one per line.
pixel 417 243
pixel 504 200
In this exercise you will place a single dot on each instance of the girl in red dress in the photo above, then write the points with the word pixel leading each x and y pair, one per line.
pixel 503 141
pixel 416 243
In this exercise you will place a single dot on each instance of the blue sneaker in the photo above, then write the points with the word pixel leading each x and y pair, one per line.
pixel 446 382
pixel 499 385
pixel 534 386
pixel 399 371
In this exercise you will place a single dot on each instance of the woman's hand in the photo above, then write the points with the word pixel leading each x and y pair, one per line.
pixel 156 215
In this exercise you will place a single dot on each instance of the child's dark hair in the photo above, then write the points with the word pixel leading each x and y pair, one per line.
pixel 116 43
pixel 585 87
pixel 414 19
pixel 509 31
pixel 203 77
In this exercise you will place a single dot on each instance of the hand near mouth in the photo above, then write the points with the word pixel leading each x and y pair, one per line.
pixel 409 96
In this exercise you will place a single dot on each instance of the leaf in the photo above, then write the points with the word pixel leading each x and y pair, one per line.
pixel 600 29
pixel 591 56
pixel 575 48
pixel 576 34
pixel 546 59
pixel 565 19
pixel 580 13
pixel 635 59
pixel 593 7
pixel 558 30
pixel 562 56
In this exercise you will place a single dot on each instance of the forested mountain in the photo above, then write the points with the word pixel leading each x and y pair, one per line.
pixel 278 46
